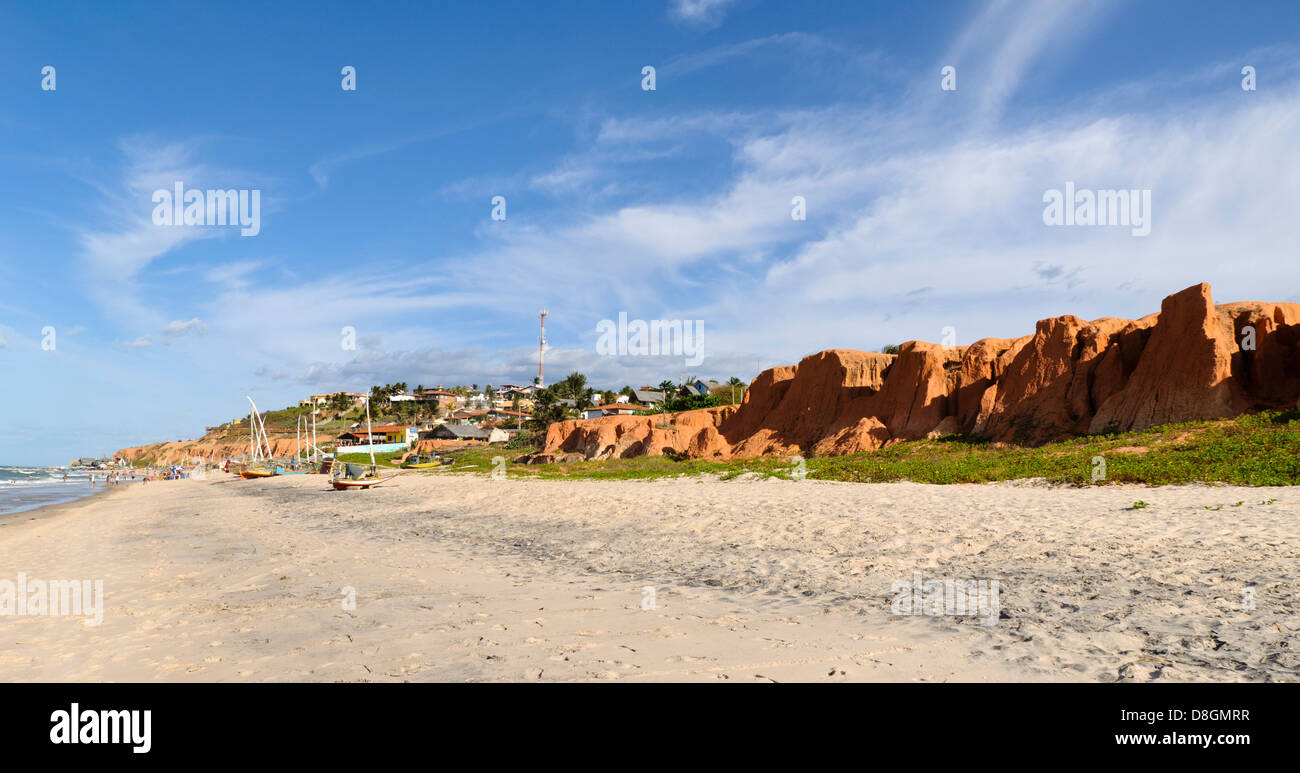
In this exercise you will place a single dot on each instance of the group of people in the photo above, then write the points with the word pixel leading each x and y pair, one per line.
pixel 115 477
pixel 110 478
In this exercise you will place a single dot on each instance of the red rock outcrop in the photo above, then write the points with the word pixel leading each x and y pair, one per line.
pixel 1192 360
pixel 208 449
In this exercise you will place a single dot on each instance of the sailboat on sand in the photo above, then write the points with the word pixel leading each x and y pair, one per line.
pixel 259 447
pixel 300 465
pixel 350 476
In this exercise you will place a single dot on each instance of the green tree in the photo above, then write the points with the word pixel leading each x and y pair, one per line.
pixel 572 386
pixel 583 400
pixel 546 410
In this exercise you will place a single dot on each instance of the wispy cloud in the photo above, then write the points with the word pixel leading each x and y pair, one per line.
pixel 1004 43
pixel 113 257
pixel 142 342
pixel 178 329
pixel 800 42
pixel 699 13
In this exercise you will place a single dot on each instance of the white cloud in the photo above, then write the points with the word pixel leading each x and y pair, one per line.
pixel 234 275
pixel 177 329
pixel 114 257
pixel 914 224
pixel 700 13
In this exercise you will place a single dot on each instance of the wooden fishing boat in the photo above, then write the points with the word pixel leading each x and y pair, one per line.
pixel 422 463
pixel 349 476
pixel 343 484
pixel 256 472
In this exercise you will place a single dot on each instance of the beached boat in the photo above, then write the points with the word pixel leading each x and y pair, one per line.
pixel 343 484
pixel 423 462
pixel 348 476
pixel 259 463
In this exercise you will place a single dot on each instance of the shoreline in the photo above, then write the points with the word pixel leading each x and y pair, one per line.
pixel 43 511
pixel 463 578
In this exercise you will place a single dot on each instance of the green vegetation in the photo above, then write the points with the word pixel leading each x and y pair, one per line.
pixel 691 403
pixel 381 460
pixel 1261 449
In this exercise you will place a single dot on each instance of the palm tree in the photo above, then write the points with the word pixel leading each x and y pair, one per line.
pixel 734 382
pixel 667 387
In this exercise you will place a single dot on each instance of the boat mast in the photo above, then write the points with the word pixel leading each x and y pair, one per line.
pixel 252 428
pixel 370 439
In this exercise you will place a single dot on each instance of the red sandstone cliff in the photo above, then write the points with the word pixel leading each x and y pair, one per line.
pixel 1070 377
pixel 211 449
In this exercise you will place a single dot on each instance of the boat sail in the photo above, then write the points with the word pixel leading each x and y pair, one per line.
pixel 349 476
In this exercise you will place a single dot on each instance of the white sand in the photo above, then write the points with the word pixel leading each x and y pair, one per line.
pixel 462 578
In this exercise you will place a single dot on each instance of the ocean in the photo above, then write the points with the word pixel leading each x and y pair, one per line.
pixel 27 488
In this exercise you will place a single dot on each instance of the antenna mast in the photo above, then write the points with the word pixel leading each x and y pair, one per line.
pixel 541 350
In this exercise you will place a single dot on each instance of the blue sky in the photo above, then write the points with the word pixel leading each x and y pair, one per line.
pixel 924 206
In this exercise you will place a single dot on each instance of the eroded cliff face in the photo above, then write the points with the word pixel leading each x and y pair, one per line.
pixel 1192 360
pixel 211 449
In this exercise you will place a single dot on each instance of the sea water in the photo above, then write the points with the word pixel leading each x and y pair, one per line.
pixel 27 488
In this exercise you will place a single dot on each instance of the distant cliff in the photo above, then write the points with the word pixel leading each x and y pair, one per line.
pixel 216 446
pixel 1192 360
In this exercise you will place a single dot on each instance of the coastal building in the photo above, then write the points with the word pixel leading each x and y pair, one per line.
pixel 701 387
pixel 648 396
pixel 356 398
pixel 388 434
pixel 464 416
pixel 459 432
pixel 476 401
pixel 614 409
pixel 445 400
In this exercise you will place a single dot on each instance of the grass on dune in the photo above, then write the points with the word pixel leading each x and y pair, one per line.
pixel 381 460
pixel 1261 449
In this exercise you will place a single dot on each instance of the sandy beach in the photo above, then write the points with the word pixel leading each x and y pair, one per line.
pixel 459 578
